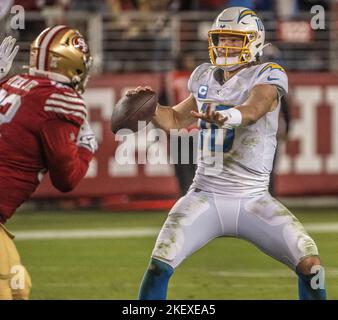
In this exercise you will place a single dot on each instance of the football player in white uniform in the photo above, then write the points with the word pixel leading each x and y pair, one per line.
pixel 236 100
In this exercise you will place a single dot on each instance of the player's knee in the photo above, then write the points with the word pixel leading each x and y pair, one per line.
pixel 306 265
pixel 159 268
pixel 22 293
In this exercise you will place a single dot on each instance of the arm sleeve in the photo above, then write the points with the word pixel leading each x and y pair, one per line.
pixel 67 106
pixel 273 74
pixel 67 163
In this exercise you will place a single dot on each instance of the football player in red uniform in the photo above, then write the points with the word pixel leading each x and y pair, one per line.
pixel 43 128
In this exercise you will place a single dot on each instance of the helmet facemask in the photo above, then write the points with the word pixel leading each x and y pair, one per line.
pixel 231 57
pixel 80 79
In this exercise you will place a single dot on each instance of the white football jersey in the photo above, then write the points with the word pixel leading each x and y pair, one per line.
pixel 237 161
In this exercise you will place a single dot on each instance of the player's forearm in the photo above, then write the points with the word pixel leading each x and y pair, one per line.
pixel 67 163
pixel 176 117
pixel 67 170
pixel 166 118
pixel 250 114
pixel 263 99
pixel 241 115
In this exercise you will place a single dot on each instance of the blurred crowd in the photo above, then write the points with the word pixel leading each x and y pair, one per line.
pixel 132 29
pixel 279 7
pixel 53 10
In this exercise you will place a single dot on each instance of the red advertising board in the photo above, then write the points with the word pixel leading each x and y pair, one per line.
pixel 308 163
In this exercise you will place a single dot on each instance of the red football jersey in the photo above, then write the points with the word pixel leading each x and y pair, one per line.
pixel 39 124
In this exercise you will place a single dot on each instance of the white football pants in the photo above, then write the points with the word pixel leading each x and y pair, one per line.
pixel 201 216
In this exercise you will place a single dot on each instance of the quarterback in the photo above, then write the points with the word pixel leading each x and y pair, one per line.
pixel 236 100
pixel 43 128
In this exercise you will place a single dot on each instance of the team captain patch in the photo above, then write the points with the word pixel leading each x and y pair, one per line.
pixel 203 91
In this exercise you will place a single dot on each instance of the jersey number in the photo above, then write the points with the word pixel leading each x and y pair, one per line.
pixel 9 105
pixel 210 134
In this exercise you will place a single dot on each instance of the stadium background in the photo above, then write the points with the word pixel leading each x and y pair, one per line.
pixel 95 242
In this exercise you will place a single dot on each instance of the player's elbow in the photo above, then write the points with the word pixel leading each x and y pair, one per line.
pixel 64 186
pixel 64 181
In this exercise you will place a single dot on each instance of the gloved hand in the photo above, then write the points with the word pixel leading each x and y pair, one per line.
pixel 7 55
pixel 86 138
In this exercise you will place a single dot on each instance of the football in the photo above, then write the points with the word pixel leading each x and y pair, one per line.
pixel 129 110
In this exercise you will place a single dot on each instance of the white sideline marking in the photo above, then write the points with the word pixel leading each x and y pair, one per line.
pixel 122 233
pixel 86 234
pixel 277 273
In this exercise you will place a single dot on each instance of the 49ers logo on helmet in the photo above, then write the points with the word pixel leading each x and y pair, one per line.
pixel 80 44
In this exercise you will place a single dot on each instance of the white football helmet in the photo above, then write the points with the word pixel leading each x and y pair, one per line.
pixel 242 23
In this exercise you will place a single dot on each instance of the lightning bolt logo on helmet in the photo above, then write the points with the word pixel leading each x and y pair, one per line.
pixel 245 13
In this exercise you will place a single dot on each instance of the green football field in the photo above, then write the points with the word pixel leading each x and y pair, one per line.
pixel 102 255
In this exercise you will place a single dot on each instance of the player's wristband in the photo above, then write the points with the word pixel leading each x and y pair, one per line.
pixel 234 118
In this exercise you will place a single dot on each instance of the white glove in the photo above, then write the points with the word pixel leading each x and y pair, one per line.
pixel 86 138
pixel 7 55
